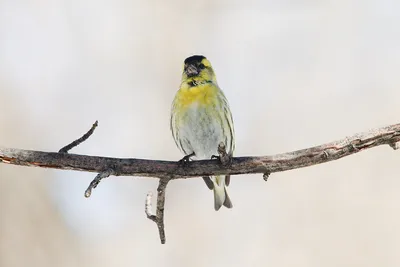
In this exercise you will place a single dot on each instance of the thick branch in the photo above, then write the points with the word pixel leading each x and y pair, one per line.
pixel 168 170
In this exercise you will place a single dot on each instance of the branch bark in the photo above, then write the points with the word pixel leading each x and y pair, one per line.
pixel 159 217
pixel 169 170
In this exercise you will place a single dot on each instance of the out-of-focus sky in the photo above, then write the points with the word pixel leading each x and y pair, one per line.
pixel 296 73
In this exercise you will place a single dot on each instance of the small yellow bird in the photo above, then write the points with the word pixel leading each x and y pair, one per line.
pixel 201 120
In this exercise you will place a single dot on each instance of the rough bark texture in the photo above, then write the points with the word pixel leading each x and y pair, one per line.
pixel 168 170
pixel 173 170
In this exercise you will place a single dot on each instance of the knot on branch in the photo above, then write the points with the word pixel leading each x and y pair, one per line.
pixel 395 145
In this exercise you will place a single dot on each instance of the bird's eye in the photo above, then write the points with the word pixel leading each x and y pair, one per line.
pixel 201 66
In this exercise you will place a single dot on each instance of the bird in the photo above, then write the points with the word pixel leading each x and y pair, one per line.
pixel 201 119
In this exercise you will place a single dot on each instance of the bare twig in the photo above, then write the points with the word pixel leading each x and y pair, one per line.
pixel 169 170
pixel 148 207
pixel 159 217
pixel 101 175
pixel 395 145
pixel 266 176
pixel 80 140
pixel 97 180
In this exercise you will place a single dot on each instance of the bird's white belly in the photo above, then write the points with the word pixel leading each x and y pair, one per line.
pixel 201 132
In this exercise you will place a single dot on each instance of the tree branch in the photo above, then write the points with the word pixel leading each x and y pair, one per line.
pixel 159 217
pixel 169 170
pixel 78 141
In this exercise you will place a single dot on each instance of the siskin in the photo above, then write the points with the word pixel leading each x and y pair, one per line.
pixel 201 120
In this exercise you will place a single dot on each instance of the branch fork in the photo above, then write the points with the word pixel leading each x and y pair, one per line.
pixel 159 217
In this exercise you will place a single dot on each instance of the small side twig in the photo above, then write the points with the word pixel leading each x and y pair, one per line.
pixel 159 217
pixel 395 145
pixel 97 180
pixel 148 207
pixel 80 140
pixel 266 176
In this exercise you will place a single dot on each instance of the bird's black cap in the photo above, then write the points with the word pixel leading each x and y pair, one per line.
pixel 194 59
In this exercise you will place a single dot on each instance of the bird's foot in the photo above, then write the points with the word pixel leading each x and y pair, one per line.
pixel 223 157
pixel 215 157
pixel 185 159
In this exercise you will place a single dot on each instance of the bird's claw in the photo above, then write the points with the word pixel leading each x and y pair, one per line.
pixel 215 157
pixel 185 159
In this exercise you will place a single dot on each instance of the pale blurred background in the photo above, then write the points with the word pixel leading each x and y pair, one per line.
pixel 296 73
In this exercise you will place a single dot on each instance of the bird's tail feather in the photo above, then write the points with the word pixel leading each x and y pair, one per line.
pixel 220 194
pixel 227 202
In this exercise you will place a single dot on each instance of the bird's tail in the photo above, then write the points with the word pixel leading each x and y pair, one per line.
pixel 220 194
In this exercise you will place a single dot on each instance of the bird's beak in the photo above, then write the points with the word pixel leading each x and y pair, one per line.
pixel 191 70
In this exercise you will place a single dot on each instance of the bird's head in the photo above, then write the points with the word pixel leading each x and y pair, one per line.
pixel 198 68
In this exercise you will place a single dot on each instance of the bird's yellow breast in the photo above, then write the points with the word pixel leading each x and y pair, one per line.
pixel 203 94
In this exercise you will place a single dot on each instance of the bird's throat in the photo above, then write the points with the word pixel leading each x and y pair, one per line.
pixel 203 93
